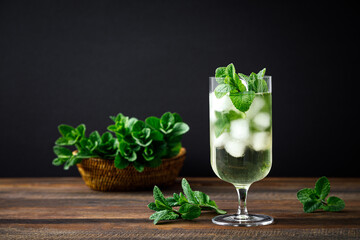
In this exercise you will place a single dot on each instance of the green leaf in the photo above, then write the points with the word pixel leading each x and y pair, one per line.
pixel 311 206
pixel 238 83
pixel 81 129
pixel 59 161
pixel 220 72
pixel 304 195
pixel 259 86
pixel 230 71
pixel 156 135
pixel 162 205
pixel 65 130
pixel 210 205
pixel 244 77
pixel 201 197
pixel 261 74
pixel 158 195
pixel 154 163
pixel 188 192
pixel 180 128
pixel 73 160
pixel 221 90
pixel 120 162
pixel 242 101
pixel 139 166
pixel 158 215
pixel 334 204
pixel 182 199
pixel 189 211
pixel 322 187
pixel 153 206
pixel 153 122
pixel 167 121
pixel 62 152
pixel 163 215
pixel 172 201
pixel 95 137
pixel 177 117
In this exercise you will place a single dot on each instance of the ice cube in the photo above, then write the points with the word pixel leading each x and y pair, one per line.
pixel 239 129
pixel 235 148
pixel 220 141
pixel 221 104
pixel 257 104
pixel 261 141
pixel 262 120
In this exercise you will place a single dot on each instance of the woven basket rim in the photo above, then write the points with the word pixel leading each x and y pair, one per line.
pixel 180 154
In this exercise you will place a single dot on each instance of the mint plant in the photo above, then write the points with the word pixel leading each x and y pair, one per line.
pixel 314 199
pixel 190 204
pixel 241 95
pixel 142 144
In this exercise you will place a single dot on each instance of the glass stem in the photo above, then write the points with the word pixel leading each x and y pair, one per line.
pixel 242 212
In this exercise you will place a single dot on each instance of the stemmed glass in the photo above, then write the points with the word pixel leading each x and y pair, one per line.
pixel 241 149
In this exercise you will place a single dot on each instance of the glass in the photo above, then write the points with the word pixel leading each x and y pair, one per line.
pixel 241 149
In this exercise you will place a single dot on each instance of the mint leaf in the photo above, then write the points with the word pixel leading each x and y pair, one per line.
pixel 167 121
pixel 322 187
pixel 153 206
pixel 201 197
pixel 59 161
pixel 238 83
pixel 158 195
pixel 62 152
pixel 188 192
pixel 220 72
pixel 221 90
pixel 120 162
pixel 162 205
pixel 66 130
pixel 243 100
pixel 305 195
pixel 311 206
pixel 261 73
pixel 189 211
pixel 180 128
pixel 313 199
pixel 244 77
pixel 334 204
pixel 230 71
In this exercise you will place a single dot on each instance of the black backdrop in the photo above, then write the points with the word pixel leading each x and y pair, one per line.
pixel 80 61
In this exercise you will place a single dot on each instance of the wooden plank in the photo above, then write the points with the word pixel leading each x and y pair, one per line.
pixel 64 208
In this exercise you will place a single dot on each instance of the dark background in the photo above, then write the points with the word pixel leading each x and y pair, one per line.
pixel 81 61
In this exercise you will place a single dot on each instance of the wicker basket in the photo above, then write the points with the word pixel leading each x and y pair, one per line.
pixel 102 175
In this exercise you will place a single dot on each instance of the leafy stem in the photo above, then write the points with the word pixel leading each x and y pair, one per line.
pixel 314 199
pixel 239 87
pixel 191 204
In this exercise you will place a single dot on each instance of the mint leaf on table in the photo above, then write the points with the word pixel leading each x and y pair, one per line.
pixel 314 199
pixel 190 204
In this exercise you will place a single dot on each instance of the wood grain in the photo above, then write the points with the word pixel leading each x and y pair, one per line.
pixel 64 208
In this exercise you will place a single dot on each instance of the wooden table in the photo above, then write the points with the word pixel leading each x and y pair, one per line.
pixel 64 208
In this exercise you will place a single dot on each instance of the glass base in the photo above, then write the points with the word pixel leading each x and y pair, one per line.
pixel 249 220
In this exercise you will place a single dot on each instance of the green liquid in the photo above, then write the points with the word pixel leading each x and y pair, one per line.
pixel 244 155
pixel 252 167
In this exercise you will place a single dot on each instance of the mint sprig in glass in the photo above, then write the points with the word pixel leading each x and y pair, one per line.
pixel 241 136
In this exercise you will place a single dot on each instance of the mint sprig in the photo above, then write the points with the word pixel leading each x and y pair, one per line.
pixel 314 199
pixel 190 204
pixel 240 95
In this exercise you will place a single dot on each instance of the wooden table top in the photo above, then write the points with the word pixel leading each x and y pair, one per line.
pixel 64 208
